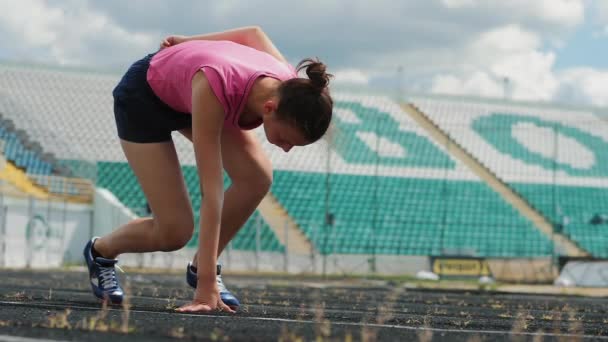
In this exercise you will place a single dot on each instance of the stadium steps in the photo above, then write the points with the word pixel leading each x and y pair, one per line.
pixel 42 168
pixel 509 195
pixel 278 220
pixel 16 182
pixel 19 179
pixel 71 189
pixel 7 187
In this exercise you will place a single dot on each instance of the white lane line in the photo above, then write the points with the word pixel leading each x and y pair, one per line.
pixel 288 320
pixel 8 338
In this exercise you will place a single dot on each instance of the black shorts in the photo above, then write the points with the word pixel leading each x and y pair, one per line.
pixel 140 115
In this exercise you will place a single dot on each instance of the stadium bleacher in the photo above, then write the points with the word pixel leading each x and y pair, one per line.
pixel 410 198
pixel 29 160
pixel 390 187
pixel 554 158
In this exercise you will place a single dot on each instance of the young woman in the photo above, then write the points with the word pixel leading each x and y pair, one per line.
pixel 213 89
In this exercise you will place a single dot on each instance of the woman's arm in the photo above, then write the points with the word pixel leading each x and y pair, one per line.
pixel 207 123
pixel 252 36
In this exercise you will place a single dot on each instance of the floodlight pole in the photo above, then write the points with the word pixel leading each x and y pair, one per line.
pixel 400 87
pixel 326 224
pixel 505 88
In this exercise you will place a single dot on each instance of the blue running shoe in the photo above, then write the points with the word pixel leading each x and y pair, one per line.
pixel 227 297
pixel 102 275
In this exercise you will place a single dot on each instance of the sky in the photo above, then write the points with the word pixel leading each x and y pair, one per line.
pixel 532 50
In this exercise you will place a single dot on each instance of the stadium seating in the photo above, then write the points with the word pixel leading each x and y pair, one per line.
pixel 70 115
pixel 69 112
pixel 22 157
pixel 572 210
pixel 554 158
pixel 422 202
pixel 395 215
pixel 15 181
pixel 392 189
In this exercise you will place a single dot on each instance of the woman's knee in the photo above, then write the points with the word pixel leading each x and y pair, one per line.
pixel 264 181
pixel 174 235
pixel 257 183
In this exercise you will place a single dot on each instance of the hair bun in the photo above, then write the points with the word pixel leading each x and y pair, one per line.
pixel 315 70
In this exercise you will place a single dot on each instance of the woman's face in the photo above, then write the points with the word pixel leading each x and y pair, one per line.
pixel 282 134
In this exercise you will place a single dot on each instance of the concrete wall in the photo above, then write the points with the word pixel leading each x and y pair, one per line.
pixel 249 261
pixel 44 234
pixel 110 213
pixel 40 233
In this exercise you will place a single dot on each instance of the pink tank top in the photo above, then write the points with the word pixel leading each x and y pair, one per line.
pixel 230 68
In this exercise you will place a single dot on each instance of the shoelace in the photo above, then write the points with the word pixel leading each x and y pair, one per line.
pixel 107 277
pixel 220 284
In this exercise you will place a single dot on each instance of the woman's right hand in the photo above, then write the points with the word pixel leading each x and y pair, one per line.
pixel 172 40
pixel 206 299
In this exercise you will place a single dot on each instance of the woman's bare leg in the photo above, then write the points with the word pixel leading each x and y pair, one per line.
pixel 157 169
pixel 251 173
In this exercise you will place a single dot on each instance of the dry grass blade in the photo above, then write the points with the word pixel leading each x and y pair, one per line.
pixel 425 335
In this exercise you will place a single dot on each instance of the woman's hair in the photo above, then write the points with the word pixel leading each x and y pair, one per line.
pixel 306 102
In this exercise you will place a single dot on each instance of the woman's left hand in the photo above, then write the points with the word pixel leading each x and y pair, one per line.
pixel 206 300
pixel 172 40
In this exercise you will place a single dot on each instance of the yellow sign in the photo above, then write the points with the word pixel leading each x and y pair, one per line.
pixel 461 267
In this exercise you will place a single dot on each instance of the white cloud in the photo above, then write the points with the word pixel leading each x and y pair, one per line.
pixel 479 83
pixel 506 39
pixel 455 46
pixel 602 15
pixel 350 76
pixel 507 52
pixel 600 7
pixel 530 75
pixel 28 21
pixel 562 12
pixel 568 12
pixel 584 85
pixel 458 3
pixel 598 17
pixel 496 47
pixel 69 35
